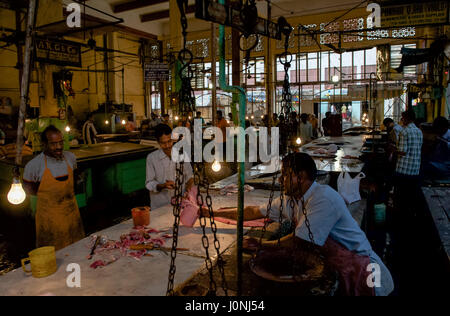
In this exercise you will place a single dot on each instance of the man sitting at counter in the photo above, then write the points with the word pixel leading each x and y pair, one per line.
pixel 161 170
pixel 50 176
pixel 335 233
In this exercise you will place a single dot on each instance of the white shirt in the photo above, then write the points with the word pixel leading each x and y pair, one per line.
pixel 329 216
pixel 89 133
pixel 154 123
pixel 397 129
pixel 305 131
pixel 34 170
pixel 160 168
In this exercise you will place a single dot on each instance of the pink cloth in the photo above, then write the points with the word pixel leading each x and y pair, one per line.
pixel 190 212
pixel 253 223
pixel 352 269
pixel 189 208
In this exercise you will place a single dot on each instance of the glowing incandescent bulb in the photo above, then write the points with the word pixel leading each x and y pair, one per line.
pixel 124 122
pixel 216 166
pixel 298 141
pixel 106 122
pixel 16 195
pixel 67 129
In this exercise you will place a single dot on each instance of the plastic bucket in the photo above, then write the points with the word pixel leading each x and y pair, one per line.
pixel 141 216
pixel 42 261
pixel 380 213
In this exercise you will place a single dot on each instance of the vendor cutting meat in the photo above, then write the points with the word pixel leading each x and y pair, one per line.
pixel 50 176
pixel 335 233
pixel 161 170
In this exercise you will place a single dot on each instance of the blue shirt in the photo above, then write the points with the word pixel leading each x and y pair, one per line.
pixel 329 216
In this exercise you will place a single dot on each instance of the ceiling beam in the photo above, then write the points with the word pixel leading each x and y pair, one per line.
pixel 162 14
pixel 135 4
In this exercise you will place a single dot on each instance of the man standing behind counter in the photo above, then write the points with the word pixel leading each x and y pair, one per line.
pixel 161 170
pixel 50 176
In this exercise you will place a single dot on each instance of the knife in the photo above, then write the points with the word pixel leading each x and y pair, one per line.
pixel 97 241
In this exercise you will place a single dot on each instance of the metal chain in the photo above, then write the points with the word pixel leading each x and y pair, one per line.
pixel 176 203
pixel 286 108
pixel 220 261
pixel 200 181
pixel 186 73
pixel 186 104
pixel 286 99
pixel 202 220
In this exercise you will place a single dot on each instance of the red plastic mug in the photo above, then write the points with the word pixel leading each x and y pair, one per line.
pixel 141 216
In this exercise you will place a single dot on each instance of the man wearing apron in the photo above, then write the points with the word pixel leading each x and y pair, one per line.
pixel 161 170
pixel 334 230
pixel 49 176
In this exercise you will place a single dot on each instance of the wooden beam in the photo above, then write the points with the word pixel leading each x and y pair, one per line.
pixel 135 4
pixel 162 14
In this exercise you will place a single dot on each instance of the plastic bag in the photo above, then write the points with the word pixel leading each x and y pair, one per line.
pixel 189 208
pixel 348 187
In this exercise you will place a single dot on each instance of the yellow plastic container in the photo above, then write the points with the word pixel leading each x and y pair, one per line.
pixel 42 261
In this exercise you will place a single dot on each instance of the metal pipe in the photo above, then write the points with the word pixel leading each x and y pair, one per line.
pixel 241 151
pixel 213 72
pixel 24 88
pixel 123 87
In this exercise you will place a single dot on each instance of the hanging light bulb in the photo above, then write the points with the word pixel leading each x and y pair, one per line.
pixel 262 116
pixel 252 117
pixel 216 166
pixel 246 117
pixel 367 120
pixel 176 118
pixel 67 129
pixel 16 195
pixel 107 122
pixel 124 122
pixel 298 141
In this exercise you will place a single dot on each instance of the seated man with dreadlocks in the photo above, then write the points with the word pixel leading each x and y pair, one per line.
pixel 334 231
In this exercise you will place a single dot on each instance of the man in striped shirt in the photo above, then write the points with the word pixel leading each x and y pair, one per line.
pixel 409 149
pixel 406 195
pixel 89 131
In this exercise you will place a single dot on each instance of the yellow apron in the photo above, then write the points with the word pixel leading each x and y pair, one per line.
pixel 58 221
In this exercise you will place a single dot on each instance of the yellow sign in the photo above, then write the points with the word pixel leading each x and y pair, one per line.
pixel 415 14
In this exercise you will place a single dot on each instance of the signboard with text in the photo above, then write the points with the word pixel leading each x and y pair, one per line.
pixel 156 72
pixel 416 14
pixel 58 52
pixel 226 15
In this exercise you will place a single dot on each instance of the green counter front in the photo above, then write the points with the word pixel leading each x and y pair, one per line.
pixel 107 171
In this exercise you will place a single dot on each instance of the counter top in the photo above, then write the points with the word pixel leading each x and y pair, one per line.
pixel 98 151
pixel 438 200
pixel 127 276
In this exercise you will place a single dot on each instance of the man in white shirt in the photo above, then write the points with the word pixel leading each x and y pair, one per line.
pixel 305 129
pixel 335 232
pixel 89 131
pixel 161 170
pixel 155 120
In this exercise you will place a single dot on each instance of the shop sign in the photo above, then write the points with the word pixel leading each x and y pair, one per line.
pixel 226 15
pixel 384 90
pixel 57 52
pixel 416 14
pixel 156 72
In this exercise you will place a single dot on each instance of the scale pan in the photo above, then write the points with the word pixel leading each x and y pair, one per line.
pixel 277 264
